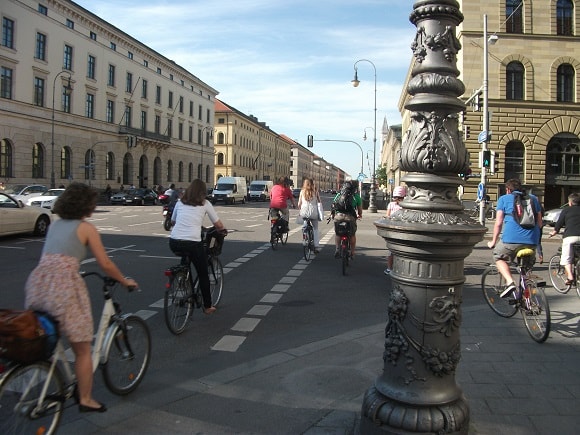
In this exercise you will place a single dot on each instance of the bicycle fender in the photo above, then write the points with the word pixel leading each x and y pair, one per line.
pixel 109 334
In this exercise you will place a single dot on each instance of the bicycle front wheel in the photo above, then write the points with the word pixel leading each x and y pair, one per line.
pixel 127 355
pixel 536 312
pixel 20 389
pixel 178 302
pixel 558 275
pixel 492 284
pixel 216 279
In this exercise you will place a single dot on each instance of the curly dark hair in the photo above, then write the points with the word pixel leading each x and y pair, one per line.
pixel 195 194
pixel 76 202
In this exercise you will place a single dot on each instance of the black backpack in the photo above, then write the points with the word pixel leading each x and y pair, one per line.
pixel 524 211
pixel 344 201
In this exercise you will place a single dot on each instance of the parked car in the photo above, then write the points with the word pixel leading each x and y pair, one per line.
pixel 46 200
pixel 17 218
pixel 141 196
pixel 551 216
pixel 23 191
pixel 118 198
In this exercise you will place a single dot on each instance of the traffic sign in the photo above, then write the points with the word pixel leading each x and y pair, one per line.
pixel 480 191
pixel 361 177
pixel 482 137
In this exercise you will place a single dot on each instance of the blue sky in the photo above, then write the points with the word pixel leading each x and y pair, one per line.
pixel 288 62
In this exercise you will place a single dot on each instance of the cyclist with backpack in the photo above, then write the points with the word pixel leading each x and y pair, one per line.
pixel 347 206
pixel 522 216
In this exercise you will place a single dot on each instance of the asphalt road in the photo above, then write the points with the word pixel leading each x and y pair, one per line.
pixel 272 300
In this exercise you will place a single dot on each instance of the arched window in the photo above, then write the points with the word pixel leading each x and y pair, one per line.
pixel 220 138
pixel 220 158
pixel 207 170
pixel 169 171
pixel 180 172
pixel 190 173
pixel 66 163
pixel 157 178
pixel 513 14
pixel 37 161
pixel 565 83
pixel 199 170
pixel 515 81
pixel 565 17
pixel 127 169
pixel 5 159
pixel 514 160
pixel 90 165
pixel 563 155
pixel 110 166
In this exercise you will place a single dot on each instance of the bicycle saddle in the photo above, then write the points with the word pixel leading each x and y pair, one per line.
pixel 525 252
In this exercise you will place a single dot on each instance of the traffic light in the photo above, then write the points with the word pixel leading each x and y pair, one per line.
pixel 486 159
pixel 310 142
pixel 466 175
pixel 466 131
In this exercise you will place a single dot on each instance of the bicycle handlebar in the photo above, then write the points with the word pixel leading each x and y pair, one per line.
pixel 107 280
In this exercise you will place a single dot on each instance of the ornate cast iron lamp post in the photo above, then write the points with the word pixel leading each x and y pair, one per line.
pixel 430 238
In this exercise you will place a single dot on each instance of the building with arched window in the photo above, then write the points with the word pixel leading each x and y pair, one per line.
pixel 82 100
pixel 534 93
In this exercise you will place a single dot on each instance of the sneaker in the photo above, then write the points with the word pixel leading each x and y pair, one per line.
pixel 387 271
pixel 507 290
pixel 337 254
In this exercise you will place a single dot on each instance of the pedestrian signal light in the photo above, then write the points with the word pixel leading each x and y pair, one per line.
pixel 486 158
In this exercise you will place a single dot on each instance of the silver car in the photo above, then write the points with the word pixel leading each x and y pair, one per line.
pixel 46 200
pixel 551 216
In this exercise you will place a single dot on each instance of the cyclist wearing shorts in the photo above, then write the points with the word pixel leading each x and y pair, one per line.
pixel 280 193
pixel 569 220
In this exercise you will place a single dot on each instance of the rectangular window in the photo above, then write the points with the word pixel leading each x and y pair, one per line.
pixel 111 79
pixel 91 67
pixel 113 46
pixel 145 63
pixel 68 58
pixel 207 115
pixel 564 18
pixel 7 33
pixel 190 134
pixel 143 120
pixel 170 100
pixel 169 127
pixel 40 49
pixel 42 9
pixel 158 70
pixel 70 24
pixel 180 104
pixel 128 114
pixel 90 106
pixel 171 77
pixel 191 108
pixel 110 112
pixel 66 96
pixel 93 36
pixel 6 83
pixel 130 55
pixel 144 89
pixel 129 83
pixel 157 124
pixel 158 95
pixel 38 91
pixel 180 131
pixel 199 112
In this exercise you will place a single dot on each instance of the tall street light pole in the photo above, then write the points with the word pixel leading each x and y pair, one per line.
pixel 210 128
pixel 67 88
pixel 355 82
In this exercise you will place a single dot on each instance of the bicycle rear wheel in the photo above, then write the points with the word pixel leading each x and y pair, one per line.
pixel 537 315
pixel 307 243
pixel 20 389
pixel 178 302
pixel 492 284
pixel 274 238
pixel 127 355
pixel 558 275
pixel 216 279
pixel 344 256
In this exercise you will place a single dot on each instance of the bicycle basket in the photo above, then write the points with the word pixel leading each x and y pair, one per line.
pixel 342 228
pixel 214 242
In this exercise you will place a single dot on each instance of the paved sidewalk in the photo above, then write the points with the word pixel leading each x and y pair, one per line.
pixel 513 385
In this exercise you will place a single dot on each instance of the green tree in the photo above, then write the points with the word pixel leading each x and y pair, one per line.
pixel 381 176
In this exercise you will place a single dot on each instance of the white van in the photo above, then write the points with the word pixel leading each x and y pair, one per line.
pixel 260 190
pixel 230 190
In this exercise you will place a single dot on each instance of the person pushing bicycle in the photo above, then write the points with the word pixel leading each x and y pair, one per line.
pixel 514 237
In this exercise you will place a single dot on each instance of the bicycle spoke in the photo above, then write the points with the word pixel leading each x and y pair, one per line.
pixel 492 284
pixel 178 303
pixel 536 313
pixel 558 275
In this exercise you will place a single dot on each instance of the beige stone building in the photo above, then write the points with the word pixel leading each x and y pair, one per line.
pixel 247 147
pixel 82 100
pixel 304 163
pixel 534 93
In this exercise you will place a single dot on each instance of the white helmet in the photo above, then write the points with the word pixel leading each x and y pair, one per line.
pixel 400 191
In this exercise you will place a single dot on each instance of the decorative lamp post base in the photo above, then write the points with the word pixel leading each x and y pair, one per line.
pixel 373 200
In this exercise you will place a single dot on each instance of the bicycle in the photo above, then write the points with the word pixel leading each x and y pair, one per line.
pixel 558 273
pixel 343 230
pixel 183 292
pixel 32 396
pixel 308 239
pixel 489 210
pixel 278 228
pixel 530 298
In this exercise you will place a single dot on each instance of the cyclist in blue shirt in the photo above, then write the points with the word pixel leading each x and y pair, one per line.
pixel 514 236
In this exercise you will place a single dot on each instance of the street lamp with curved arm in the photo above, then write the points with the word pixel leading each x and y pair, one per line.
pixel 67 90
pixel 348 141
pixel 355 82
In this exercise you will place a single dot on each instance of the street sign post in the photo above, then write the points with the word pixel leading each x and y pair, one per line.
pixel 482 137
pixel 480 191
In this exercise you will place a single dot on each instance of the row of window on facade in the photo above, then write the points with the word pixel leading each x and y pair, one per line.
pixel 66 170
pixel 516 79
pixel 564 14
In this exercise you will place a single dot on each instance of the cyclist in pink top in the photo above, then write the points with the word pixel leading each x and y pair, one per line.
pixel 279 195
